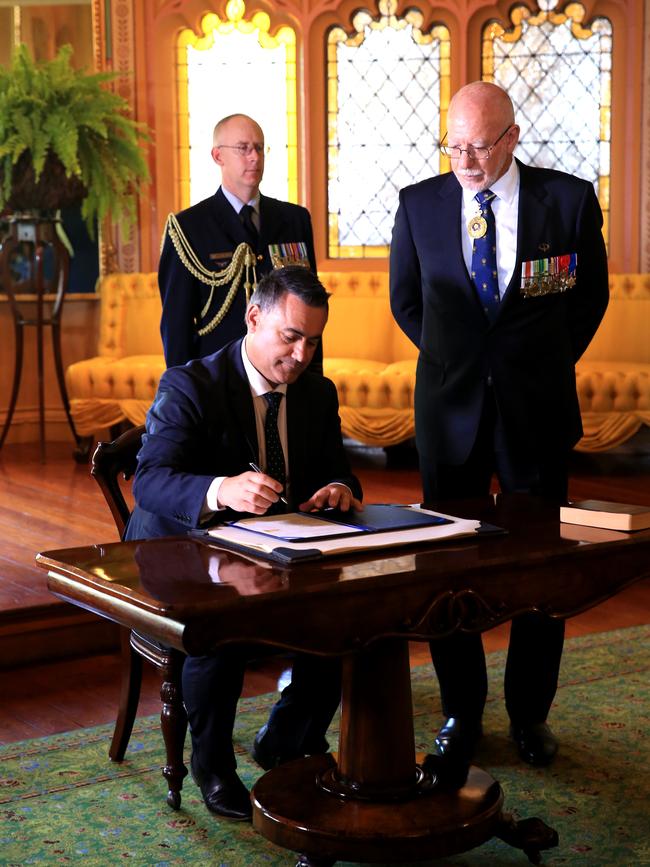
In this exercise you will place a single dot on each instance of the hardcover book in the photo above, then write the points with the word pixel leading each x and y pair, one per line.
pixel 610 516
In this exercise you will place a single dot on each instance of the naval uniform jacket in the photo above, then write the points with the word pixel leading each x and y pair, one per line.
pixel 214 231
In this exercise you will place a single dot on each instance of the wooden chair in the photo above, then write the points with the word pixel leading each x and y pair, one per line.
pixel 112 461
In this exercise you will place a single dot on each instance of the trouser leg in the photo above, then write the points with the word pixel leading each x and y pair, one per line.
pixel 532 667
pixel 211 688
pixel 299 720
pixel 459 662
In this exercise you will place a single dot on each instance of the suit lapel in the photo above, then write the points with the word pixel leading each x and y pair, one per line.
pixel 241 401
pixel 449 232
pixel 296 436
pixel 270 215
pixel 532 228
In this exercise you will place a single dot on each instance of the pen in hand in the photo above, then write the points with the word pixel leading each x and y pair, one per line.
pixel 257 469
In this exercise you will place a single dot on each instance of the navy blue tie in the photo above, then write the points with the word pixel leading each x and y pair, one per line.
pixel 275 466
pixel 484 259
pixel 246 216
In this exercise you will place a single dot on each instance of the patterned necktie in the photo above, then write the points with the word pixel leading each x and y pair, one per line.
pixel 246 216
pixel 274 454
pixel 484 259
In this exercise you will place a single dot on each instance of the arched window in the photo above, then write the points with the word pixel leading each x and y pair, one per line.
pixel 558 74
pixel 388 87
pixel 237 65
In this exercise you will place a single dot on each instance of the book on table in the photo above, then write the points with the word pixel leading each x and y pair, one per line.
pixel 609 516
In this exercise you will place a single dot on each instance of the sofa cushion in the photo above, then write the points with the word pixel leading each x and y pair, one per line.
pixel 370 360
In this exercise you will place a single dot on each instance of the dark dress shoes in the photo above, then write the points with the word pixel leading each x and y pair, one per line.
pixel 458 737
pixel 454 747
pixel 263 753
pixel 448 772
pixel 223 794
pixel 536 743
pixel 268 756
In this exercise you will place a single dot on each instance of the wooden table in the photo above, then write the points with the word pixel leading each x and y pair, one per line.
pixel 376 803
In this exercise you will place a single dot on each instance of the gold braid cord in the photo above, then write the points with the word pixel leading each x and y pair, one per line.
pixel 243 261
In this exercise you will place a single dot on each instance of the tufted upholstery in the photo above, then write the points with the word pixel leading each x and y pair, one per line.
pixel 366 355
pixel 121 381
pixel 614 373
pixel 370 360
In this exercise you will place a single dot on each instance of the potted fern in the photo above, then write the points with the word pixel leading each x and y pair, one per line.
pixel 66 138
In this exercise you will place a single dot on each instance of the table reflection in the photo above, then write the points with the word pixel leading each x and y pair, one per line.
pixel 171 568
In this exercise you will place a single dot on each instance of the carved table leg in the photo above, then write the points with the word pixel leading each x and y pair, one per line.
pixel 173 720
pixel 532 835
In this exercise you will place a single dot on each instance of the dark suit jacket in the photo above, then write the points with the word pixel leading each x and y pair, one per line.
pixel 202 425
pixel 213 226
pixel 531 348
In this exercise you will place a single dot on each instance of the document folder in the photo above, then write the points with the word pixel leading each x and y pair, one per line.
pixel 332 523
pixel 275 536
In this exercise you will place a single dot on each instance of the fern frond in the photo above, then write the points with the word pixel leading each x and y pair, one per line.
pixel 51 109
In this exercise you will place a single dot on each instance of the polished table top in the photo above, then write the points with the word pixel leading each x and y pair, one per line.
pixel 373 803
pixel 193 594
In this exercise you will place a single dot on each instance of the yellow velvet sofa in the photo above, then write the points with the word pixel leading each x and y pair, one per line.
pixel 366 355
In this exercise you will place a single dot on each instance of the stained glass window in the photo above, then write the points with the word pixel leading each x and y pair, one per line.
pixel 237 65
pixel 558 74
pixel 387 97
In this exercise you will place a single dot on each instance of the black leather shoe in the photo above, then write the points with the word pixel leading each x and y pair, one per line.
pixel 536 743
pixel 458 738
pixel 447 772
pixel 264 754
pixel 225 794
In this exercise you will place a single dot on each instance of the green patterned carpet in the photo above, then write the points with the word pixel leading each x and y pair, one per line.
pixel 62 801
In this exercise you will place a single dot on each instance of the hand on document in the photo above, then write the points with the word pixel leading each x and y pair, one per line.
pixel 331 496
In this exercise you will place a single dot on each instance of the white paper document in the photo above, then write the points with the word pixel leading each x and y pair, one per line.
pixel 294 526
pixel 352 543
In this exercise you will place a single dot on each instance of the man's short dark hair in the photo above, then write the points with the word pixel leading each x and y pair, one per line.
pixel 295 280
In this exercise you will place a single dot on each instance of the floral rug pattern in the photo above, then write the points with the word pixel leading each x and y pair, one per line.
pixel 63 802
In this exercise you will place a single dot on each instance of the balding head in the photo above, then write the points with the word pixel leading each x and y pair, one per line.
pixel 237 118
pixel 238 149
pixel 482 98
pixel 481 114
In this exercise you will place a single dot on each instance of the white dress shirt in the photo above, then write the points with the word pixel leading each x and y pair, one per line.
pixel 505 207
pixel 237 204
pixel 259 385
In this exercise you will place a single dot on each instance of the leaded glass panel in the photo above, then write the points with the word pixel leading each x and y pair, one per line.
pixel 236 65
pixel 558 75
pixel 388 89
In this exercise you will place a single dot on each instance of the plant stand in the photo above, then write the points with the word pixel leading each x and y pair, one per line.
pixel 37 233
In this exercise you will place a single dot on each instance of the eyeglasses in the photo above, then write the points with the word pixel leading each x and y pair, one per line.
pixel 473 153
pixel 245 150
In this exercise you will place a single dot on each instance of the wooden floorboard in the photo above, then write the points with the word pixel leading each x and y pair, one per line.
pixel 58 504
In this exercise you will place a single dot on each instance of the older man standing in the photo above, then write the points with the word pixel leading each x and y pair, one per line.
pixel 202 271
pixel 498 273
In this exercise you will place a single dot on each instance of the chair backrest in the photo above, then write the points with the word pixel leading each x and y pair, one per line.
pixel 129 322
pixel 112 460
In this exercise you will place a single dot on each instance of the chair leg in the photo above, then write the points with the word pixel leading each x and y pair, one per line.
pixel 129 697
pixel 81 452
pixel 173 719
